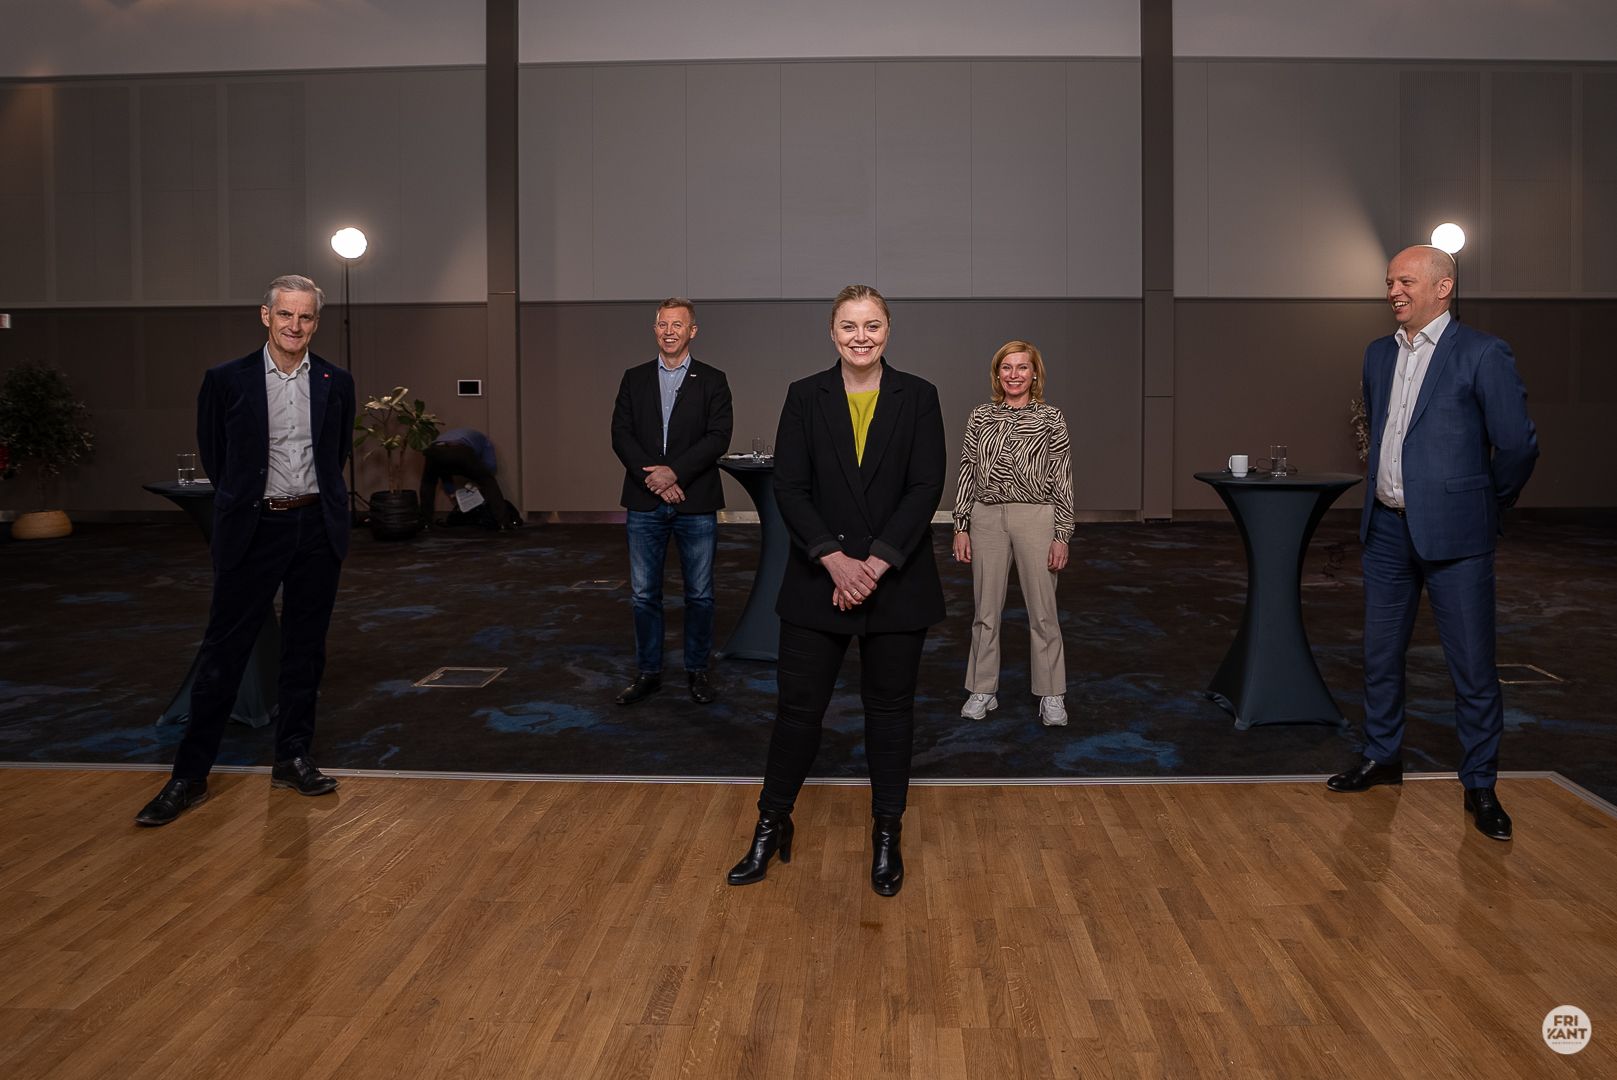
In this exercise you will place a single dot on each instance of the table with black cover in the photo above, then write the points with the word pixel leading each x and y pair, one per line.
pixel 256 698
pixel 1269 675
pixel 757 635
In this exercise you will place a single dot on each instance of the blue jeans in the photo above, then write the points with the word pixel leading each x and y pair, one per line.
pixel 697 536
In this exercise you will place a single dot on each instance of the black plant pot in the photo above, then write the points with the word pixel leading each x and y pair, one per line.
pixel 395 515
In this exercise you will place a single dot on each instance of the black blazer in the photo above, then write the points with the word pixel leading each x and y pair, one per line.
pixel 233 440
pixel 698 433
pixel 882 506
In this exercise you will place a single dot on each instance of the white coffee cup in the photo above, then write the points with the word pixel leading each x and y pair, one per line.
pixel 1238 464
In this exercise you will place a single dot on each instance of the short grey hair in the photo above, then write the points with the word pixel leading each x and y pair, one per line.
pixel 295 283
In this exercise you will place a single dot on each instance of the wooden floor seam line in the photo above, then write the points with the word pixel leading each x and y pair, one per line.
pixel 849 781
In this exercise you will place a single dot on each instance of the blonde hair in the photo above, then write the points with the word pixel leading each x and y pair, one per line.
pixel 851 293
pixel 1032 350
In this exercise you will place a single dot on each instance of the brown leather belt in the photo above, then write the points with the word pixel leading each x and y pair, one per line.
pixel 1399 510
pixel 290 502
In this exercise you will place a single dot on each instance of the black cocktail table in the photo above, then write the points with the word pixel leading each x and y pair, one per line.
pixel 1269 676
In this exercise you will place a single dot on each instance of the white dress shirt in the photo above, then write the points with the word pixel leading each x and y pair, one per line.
pixel 291 432
pixel 1413 358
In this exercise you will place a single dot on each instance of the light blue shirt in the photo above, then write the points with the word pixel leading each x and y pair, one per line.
pixel 669 380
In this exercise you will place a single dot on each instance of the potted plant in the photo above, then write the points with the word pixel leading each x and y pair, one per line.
pixel 394 424
pixel 44 426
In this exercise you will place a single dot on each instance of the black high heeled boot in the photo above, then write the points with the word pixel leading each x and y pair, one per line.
pixel 773 834
pixel 887 862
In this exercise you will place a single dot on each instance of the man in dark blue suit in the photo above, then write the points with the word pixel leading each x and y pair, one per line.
pixel 275 429
pixel 1450 446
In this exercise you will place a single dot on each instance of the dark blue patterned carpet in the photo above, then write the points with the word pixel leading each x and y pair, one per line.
pixel 97 630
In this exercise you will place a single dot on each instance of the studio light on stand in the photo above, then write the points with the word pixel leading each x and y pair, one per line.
pixel 349 244
pixel 1450 237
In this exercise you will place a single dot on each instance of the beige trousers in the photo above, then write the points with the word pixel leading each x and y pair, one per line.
pixel 1000 535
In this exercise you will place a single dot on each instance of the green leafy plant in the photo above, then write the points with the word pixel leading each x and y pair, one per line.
pixel 42 423
pixel 393 424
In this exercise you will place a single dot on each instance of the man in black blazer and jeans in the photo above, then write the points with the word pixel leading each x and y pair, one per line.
pixel 274 430
pixel 670 424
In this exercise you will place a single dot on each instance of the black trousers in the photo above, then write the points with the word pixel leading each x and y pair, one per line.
pixel 290 552
pixel 807 674
pixel 447 460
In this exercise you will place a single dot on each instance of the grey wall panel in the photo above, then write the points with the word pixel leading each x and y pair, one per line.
pixel 828 177
pixel 94 242
pixel 1019 188
pixel 24 238
pixel 557 175
pixel 442 200
pixel 1531 149
pixel 733 179
pixel 1191 181
pixel 567 404
pixel 353 171
pixel 640 194
pixel 1255 203
pixel 22 133
pixel 1237 399
pixel 179 136
pixel 1348 154
pixel 265 153
pixel 367 165
pixel 180 179
pixel 1440 163
pixel 180 253
pixel 23 233
pixel 1103 178
pixel 923 185
pixel 1103 404
pixel 1599 205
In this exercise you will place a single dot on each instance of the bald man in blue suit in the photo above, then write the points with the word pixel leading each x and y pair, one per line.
pixel 1451 445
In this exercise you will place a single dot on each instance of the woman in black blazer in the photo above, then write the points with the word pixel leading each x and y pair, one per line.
pixel 859 468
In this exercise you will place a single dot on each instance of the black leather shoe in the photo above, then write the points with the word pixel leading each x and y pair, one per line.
pixel 1367 774
pixel 773 834
pixel 1490 817
pixel 887 862
pixel 176 798
pixel 644 686
pixel 301 776
pixel 702 691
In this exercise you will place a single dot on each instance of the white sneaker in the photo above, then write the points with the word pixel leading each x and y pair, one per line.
pixel 977 706
pixel 1053 711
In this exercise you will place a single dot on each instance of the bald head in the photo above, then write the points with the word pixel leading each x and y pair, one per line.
pixel 1420 284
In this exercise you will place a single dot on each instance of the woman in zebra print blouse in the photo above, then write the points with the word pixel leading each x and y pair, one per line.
pixel 1014 505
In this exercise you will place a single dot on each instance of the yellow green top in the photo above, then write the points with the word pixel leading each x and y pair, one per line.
pixel 861 407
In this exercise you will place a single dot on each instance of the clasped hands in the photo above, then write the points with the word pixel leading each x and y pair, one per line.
pixel 853 580
pixel 661 482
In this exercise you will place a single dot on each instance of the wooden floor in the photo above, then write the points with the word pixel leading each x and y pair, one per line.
pixel 487 929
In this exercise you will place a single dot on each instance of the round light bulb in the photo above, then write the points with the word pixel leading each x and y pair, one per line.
pixel 349 243
pixel 1449 237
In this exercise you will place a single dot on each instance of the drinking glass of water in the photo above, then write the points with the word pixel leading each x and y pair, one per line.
pixel 185 468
